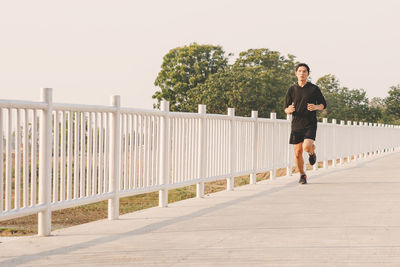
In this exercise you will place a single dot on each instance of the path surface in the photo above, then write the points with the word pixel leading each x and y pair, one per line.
pixel 345 216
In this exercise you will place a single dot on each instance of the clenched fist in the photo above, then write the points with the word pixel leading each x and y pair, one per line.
pixel 290 109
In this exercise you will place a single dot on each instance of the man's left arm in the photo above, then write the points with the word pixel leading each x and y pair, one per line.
pixel 320 100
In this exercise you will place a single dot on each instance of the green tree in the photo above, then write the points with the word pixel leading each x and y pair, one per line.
pixel 392 102
pixel 330 88
pixel 377 109
pixel 258 80
pixel 183 69
pixel 344 103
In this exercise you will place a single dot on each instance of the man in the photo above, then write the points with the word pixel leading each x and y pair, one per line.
pixel 302 100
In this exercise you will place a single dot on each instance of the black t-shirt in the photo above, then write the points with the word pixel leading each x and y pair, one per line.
pixel 301 96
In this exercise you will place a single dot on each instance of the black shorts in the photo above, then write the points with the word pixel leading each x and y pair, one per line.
pixel 298 136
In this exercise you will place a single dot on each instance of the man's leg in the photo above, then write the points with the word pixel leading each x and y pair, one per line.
pixel 298 157
pixel 309 146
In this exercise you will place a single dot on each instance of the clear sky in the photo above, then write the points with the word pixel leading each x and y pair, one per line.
pixel 88 50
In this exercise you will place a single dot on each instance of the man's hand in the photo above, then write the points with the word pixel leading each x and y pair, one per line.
pixel 290 109
pixel 312 107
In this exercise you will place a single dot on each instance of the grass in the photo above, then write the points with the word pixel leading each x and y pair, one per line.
pixel 97 211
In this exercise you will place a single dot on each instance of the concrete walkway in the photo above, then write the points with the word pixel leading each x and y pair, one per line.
pixel 345 216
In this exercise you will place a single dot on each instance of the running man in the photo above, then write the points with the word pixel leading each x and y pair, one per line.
pixel 302 100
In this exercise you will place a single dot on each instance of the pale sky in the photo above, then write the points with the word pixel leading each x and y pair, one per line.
pixel 88 50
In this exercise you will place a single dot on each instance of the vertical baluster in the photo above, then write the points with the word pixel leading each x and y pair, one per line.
pixel 152 150
pixel 182 162
pixel 55 157
pixel 175 153
pixel 8 160
pixel 101 157
pixel 25 160
pixel 1 162
pixel 89 150
pixel 136 146
pixel 125 151
pixel 34 160
pixel 121 156
pixel 190 150
pixel 157 150
pixel 95 154
pixel 82 150
pixel 148 156
pixel 62 155
pixel 193 150
pixel 107 153
pixel 17 155
pixel 131 152
pixel 76 154
pixel 178 130
pixel 70 156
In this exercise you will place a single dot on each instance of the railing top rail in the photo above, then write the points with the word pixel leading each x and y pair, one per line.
pixel 142 111
pixel 18 104
pixel 77 107
pixel 272 120
pixel 185 115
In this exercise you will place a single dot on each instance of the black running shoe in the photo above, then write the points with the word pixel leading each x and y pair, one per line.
pixel 312 158
pixel 303 179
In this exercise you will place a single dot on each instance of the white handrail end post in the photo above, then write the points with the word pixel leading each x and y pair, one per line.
pixel 253 175
pixel 45 159
pixel 334 123
pixel 202 109
pixel 272 173
pixel 230 182
pixel 113 202
pixel 164 158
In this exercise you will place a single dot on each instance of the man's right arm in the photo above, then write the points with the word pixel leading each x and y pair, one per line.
pixel 289 105
pixel 290 109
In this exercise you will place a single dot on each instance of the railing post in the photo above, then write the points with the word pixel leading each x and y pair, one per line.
pixel 369 136
pixel 253 176
pixel 341 161
pixel 349 154
pixel 374 153
pixel 230 182
pixel 45 159
pixel 164 155
pixel 360 151
pixel 334 123
pixel 290 148
pixel 272 173
pixel 325 162
pixel 113 203
pixel 364 147
pixel 383 148
pixel 357 152
pixel 202 150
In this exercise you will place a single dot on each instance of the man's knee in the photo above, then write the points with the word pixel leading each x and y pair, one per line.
pixel 308 146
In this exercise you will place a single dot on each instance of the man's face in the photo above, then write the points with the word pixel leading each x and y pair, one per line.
pixel 302 73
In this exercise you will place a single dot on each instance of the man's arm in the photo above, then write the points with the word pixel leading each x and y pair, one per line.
pixel 289 105
pixel 312 107
pixel 290 109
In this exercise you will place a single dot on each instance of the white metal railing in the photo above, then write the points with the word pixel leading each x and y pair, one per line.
pixel 56 156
